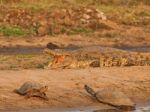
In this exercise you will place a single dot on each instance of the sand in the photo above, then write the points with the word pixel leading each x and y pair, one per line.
pixel 66 86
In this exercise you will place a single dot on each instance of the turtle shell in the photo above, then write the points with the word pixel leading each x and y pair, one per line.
pixel 115 98
pixel 29 86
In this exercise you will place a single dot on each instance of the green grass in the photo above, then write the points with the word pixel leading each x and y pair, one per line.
pixel 17 31
pixel 12 31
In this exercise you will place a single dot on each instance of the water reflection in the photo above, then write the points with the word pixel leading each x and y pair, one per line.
pixel 144 108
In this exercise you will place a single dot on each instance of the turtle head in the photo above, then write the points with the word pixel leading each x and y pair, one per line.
pixel 44 89
pixel 89 90
pixel 16 91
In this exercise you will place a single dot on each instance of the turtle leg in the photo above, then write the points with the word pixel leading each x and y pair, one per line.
pixel 43 96
pixel 29 94
pixel 37 93
pixel 42 92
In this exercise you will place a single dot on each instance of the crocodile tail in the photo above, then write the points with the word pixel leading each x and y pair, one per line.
pixel 90 90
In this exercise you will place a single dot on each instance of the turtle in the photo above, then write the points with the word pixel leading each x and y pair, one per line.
pixel 112 97
pixel 33 89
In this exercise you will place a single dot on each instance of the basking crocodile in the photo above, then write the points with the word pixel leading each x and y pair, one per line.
pixel 96 56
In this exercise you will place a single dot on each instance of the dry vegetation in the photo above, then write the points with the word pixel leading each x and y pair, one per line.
pixel 48 17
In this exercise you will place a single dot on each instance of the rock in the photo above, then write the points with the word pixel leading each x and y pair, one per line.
pixel 86 16
pixel 101 16
pixel 43 30
pixel 52 46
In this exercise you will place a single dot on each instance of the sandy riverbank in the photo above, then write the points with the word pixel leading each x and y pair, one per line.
pixel 66 86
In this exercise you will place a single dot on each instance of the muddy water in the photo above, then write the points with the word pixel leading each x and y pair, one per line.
pixel 21 50
pixel 143 108
pixel 137 49
pixel 140 108
pixel 39 50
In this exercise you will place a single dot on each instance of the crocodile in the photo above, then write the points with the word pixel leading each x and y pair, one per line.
pixel 96 56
